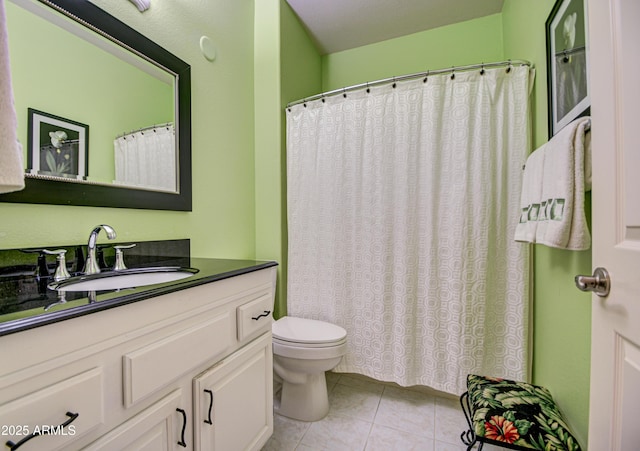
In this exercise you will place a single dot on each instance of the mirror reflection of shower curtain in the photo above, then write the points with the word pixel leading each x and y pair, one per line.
pixel 147 159
pixel 571 81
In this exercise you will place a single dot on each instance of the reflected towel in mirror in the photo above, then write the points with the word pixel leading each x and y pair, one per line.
pixel 11 162
pixel 142 5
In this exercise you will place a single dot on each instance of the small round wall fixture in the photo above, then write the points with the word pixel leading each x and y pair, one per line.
pixel 207 48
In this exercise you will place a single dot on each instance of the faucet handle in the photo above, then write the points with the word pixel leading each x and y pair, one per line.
pixel 41 268
pixel 119 265
pixel 61 270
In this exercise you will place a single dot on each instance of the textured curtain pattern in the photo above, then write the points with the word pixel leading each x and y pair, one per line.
pixel 147 159
pixel 402 205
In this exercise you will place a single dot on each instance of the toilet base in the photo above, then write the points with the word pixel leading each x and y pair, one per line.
pixel 305 402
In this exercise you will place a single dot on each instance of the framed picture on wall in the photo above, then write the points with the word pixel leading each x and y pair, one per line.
pixel 567 63
pixel 58 147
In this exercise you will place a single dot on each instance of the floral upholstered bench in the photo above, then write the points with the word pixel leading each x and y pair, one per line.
pixel 513 415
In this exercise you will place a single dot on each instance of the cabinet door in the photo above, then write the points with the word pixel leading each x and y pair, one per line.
pixel 160 427
pixel 233 400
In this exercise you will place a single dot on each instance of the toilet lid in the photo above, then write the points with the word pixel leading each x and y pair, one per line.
pixel 302 330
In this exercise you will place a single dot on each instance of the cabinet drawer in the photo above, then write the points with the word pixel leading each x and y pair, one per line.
pixel 255 317
pixel 57 414
pixel 156 365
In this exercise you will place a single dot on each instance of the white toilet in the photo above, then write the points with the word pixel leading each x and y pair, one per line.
pixel 303 349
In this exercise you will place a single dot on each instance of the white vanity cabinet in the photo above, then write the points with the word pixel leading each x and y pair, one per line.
pixel 150 375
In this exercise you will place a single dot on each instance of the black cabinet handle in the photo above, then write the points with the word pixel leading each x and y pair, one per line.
pixel 13 446
pixel 181 442
pixel 208 421
pixel 266 313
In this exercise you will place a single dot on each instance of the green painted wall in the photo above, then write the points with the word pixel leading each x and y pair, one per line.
pixel 562 314
pixel 459 44
pixel 300 62
pixel 300 76
pixel 268 139
pixel 222 223
pixel 287 67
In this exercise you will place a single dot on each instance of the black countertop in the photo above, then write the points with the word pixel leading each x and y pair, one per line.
pixel 20 312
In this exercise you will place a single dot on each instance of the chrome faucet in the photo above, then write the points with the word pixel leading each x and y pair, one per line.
pixel 91 264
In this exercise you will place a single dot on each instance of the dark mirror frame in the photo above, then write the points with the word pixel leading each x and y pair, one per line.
pixel 40 191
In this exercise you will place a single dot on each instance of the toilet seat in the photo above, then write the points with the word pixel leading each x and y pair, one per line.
pixel 307 333
pixel 295 344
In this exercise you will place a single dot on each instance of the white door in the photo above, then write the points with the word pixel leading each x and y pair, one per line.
pixel 615 346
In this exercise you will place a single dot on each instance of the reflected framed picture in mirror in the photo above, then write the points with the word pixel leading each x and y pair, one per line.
pixel 57 147
pixel 567 63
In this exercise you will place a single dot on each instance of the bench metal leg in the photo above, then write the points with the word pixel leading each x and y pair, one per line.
pixel 468 437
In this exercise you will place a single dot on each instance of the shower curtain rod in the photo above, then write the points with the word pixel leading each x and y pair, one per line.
pixel 143 129
pixel 369 84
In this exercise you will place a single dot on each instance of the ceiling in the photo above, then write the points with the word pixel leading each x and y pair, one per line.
pixel 337 25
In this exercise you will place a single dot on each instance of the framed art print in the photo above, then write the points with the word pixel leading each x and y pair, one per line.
pixel 57 147
pixel 567 63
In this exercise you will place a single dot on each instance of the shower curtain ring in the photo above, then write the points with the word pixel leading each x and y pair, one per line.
pixel 453 73
pixel 368 90
pixel 394 83
pixel 344 92
pixel 426 77
pixel 482 69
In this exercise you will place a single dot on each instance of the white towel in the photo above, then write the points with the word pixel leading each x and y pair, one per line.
pixel 562 223
pixel 588 171
pixel 11 167
pixel 555 178
pixel 530 197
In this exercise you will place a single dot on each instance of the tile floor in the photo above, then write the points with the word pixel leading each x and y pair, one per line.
pixel 367 415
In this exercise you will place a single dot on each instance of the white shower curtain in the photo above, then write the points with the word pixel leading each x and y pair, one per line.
pixel 402 205
pixel 147 159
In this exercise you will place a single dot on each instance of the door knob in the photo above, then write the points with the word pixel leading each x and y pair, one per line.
pixel 599 283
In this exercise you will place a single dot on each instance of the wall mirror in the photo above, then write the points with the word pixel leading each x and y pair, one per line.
pixel 104 113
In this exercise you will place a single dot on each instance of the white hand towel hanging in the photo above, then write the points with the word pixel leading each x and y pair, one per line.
pixel 556 177
pixel 530 197
pixel 11 167
pixel 562 222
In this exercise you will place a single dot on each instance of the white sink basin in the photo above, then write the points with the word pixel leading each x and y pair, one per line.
pixel 127 278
